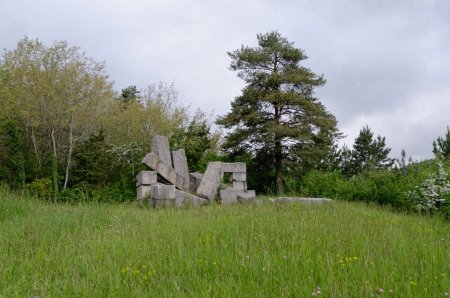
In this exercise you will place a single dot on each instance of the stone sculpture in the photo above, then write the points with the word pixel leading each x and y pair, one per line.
pixel 170 183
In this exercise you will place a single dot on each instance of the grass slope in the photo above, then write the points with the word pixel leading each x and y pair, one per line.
pixel 345 249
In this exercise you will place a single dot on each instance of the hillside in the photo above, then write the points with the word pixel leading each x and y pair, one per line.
pixel 340 249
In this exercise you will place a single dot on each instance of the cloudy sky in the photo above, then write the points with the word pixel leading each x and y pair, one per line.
pixel 387 63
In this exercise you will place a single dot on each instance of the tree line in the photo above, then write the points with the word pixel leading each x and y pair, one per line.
pixel 63 127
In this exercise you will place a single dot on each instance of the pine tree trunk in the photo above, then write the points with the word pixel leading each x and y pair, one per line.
pixel 278 168
pixel 278 155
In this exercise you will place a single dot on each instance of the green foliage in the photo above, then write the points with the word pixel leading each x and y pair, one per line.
pixel 441 146
pixel 322 184
pixel 68 120
pixel 42 187
pixel 381 187
pixel 12 156
pixel 368 154
pixel 433 192
pixel 199 143
pixel 277 113
pixel 130 93
pixel 93 162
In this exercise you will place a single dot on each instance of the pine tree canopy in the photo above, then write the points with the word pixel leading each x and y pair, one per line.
pixel 441 146
pixel 277 110
pixel 370 153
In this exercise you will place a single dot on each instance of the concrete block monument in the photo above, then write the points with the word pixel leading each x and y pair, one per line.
pixel 169 182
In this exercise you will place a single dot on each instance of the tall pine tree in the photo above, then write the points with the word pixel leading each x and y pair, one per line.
pixel 277 112
pixel 369 153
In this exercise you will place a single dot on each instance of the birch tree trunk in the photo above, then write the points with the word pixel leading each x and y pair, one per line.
pixel 69 157
pixel 55 165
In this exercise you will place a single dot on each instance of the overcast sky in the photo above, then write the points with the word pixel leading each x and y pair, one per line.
pixel 387 63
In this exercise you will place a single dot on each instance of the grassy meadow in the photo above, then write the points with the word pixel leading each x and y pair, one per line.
pixel 122 250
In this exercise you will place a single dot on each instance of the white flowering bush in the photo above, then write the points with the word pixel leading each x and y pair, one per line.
pixel 433 191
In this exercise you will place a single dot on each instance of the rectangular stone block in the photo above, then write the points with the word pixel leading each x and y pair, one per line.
pixel 246 196
pixel 162 192
pixel 239 185
pixel 150 160
pixel 195 179
pixel 143 191
pixel 228 197
pixel 180 163
pixel 190 199
pixel 160 146
pixel 211 180
pixel 236 176
pixel 146 178
pixel 166 171
pixel 233 167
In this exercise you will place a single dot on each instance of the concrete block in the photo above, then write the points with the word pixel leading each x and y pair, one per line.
pixel 163 192
pixel 180 163
pixel 246 196
pixel 160 146
pixel 228 197
pixel 143 191
pixel 239 185
pixel 167 172
pixel 195 179
pixel 190 199
pixel 150 160
pixel 238 176
pixel 173 177
pixel 286 200
pixel 233 167
pixel 211 180
pixel 146 178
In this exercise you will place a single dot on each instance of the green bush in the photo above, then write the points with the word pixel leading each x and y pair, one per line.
pixel 382 187
pixel 41 187
pixel 321 184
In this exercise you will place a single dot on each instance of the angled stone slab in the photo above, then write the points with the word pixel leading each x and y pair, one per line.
pixel 211 180
pixel 160 146
pixel 233 167
pixel 180 163
pixel 166 171
pixel 190 199
pixel 173 177
pixel 151 160
pixel 195 179
pixel 146 178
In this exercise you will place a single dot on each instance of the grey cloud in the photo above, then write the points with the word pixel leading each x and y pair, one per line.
pixel 386 62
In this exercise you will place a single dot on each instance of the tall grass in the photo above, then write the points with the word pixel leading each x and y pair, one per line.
pixel 343 249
